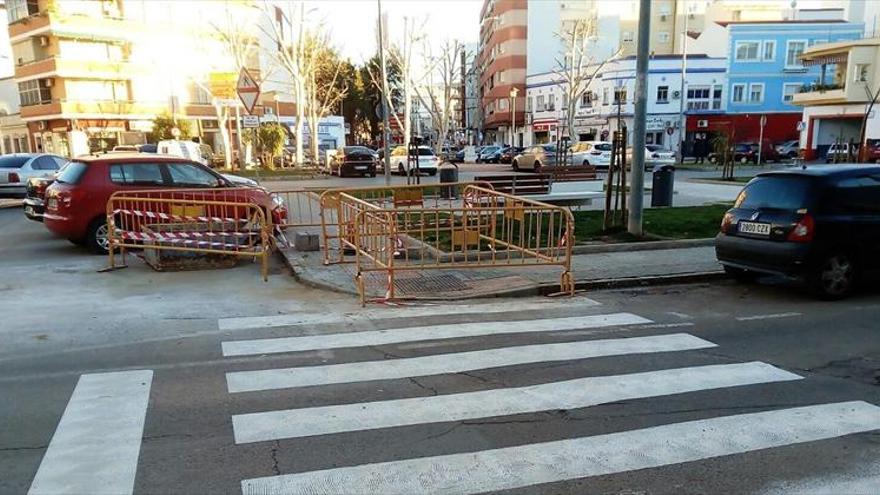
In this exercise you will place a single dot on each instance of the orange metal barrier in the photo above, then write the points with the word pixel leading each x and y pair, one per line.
pixel 487 230
pixel 223 222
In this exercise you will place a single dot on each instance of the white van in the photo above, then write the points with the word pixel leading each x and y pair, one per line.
pixel 184 149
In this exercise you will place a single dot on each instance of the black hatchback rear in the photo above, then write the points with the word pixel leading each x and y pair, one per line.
pixel 820 224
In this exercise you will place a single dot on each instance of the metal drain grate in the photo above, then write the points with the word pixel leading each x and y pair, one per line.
pixel 433 284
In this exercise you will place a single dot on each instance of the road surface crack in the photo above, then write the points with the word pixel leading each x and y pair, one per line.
pixel 15 449
pixel 274 454
pixel 425 387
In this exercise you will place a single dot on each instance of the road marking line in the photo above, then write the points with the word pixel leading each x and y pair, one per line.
pixel 249 322
pixel 433 332
pixel 767 317
pixel 388 369
pixel 527 465
pixel 667 325
pixel 96 445
pixel 569 394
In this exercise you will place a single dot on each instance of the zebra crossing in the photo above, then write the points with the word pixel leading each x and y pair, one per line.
pixel 525 465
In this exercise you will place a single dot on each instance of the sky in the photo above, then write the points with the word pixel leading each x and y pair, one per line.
pixel 352 22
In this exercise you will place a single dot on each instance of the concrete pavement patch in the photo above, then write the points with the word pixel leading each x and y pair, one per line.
pixel 641 246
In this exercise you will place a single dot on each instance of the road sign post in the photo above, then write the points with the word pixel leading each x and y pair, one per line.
pixel 761 138
pixel 248 92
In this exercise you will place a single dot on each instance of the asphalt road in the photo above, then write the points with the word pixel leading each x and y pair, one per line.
pixel 133 378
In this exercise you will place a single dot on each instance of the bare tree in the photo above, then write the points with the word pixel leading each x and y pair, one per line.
pixel 577 68
pixel 324 86
pixel 401 56
pixel 287 30
pixel 440 87
pixel 241 47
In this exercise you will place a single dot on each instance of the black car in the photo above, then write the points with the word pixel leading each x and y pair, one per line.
pixel 819 224
pixel 353 160
pixel 509 152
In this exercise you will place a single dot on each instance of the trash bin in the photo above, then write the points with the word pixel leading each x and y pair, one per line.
pixel 448 173
pixel 662 186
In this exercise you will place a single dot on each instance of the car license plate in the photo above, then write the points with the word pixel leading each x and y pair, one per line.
pixel 754 228
pixel 29 210
pixel 360 167
pixel 52 203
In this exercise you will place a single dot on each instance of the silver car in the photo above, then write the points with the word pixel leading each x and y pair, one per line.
pixel 535 158
pixel 16 169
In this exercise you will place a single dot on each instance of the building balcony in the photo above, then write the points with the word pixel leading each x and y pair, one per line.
pixel 106 109
pixel 102 28
pixel 80 69
pixel 828 94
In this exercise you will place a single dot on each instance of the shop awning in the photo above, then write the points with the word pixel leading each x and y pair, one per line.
pixel 834 58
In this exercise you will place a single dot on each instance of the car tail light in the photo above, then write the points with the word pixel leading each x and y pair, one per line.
pixel 13 177
pixel 726 222
pixel 803 231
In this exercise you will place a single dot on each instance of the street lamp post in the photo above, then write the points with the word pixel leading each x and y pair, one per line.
pixel 513 92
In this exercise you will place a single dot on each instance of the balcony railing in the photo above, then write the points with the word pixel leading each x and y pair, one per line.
pixel 820 87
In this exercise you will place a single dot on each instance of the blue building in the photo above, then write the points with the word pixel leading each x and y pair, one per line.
pixel 764 72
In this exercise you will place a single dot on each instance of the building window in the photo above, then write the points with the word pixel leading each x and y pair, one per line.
pixel 793 53
pixel 627 36
pixel 860 74
pixel 739 93
pixel 540 107
pixel 605 96
pixel 699 97
pixel 620 96
pixel 747 51
pixel 19 9
pixel 769 54
pixel 503 104
pixel 716 97
pixel 34 92
pixel 663 37
pixel 788 92
pixel 587 99
pixel 662 94
pixel 551 102
pixel 529 104
pixel 756 93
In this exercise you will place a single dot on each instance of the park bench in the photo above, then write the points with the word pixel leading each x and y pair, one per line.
pixel 572 185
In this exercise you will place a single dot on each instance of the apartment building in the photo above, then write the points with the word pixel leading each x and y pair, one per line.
pixel 94 73
pixel 836 101
pixel 502 67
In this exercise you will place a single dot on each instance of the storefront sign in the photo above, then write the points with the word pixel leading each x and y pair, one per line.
pixel 656 123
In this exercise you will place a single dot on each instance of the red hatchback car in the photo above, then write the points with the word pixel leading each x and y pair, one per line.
pixel 76 203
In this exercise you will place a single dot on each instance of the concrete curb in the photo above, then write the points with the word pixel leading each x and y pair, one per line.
pixel 5 205
pixel 536 289
pixel 716 182
pixel 624 247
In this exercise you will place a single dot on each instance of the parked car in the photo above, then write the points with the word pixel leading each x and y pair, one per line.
pixel 658 155
pixel 428 161
pixel 17 168
pixel 188 150
pixel 458 157
pixel 596 153
pixel 489 154
pixel 840 152
pixel 535 158
pixel 788 149
pixel 352 160
pixel 76 202
pixel 748 153
pixel 820 224
pixel 509 152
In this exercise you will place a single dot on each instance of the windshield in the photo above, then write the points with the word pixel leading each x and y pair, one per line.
pixel 490 149
pixel 357 149
pixel 775 192
pixel 13 161
pixel 603 147
pixel 426 152
pixel 71 173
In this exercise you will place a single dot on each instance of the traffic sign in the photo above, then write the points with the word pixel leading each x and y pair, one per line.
pixel 248 90
pixel 250 121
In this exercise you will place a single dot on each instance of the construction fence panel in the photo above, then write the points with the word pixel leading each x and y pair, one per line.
pixel 218 222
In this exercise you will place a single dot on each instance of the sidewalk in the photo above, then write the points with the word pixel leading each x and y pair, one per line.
pixel 608 269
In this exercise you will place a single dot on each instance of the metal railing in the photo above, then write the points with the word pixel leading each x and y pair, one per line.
pixel 486 230
pixel 220 222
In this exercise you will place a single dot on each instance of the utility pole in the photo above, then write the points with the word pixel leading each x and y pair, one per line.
pixel 385 134
pixel 681 119
pixel 637 180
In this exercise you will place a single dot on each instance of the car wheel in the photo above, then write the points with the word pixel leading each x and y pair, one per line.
pixel 740 275
pixel 515 166
pixel 586 162
pixel 835 277
pixel 537 167
pixel 373 173
pixel 96 239
pixel 400 169
pixel 432 173
pixel 713 159
pixel 743 160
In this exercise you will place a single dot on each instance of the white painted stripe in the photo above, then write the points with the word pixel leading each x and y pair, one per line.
pixel 388 369
pixel 767 317
pixel 96 445
pixel 527 465
pixel 434 332
pixel 569 394
pixel 247 322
